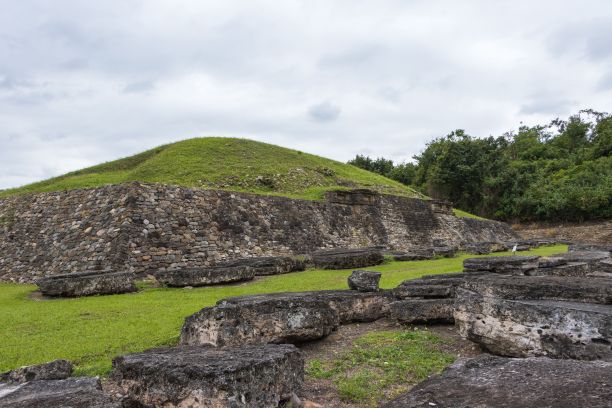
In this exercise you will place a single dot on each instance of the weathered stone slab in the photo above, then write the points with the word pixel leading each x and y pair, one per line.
pixel 423 311
pixel 54 370
pixel 524 328
pixel 445 251
pixel 364 281
pixel 423 291
pixel 193 376
pixel 575 289
pixel 271 265
pixel 589 247
pixel 412 256
pixel 274 318
pixel 347 258
pixel 496 382
pixel 513 265
pixel 590 257
pixel 205 276
pixel 292 317
pixel 354 306
pixel 78 392
pixel 576 269
pixel 87 283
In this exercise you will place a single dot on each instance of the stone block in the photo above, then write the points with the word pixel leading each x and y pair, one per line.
pixel 512 265
pixel 497 382
pixel 76 392
pixel 273 318
pixel 503 319
pixel 87 284
pixel 422 311
pixel 364 281
pixel 205 276
pixel 347 258
pixel 54 370
pixel 194 376
pixel 271 265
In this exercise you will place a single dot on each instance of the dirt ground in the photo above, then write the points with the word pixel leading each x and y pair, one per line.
pixel 324 393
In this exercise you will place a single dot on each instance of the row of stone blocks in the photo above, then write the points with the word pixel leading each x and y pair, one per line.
pixel 105 282
pixel 555 316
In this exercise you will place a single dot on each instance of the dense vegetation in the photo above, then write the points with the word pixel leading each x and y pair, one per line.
pixel 226 163
pixel 91 331
pixel 558 172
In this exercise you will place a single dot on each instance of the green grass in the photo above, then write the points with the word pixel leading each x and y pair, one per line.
pixel 90 331
pixel 382 363
pixel 460 213
pixel 226 163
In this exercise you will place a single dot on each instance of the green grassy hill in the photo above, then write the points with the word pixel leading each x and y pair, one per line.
pixel 228 164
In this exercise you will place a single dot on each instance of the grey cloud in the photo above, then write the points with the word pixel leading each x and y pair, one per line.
pixel 551 104
pixel 324 112
pixel 139 87
pixel 590 38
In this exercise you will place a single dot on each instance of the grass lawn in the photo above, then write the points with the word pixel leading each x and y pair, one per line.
pixel 382 363
pixel 91 331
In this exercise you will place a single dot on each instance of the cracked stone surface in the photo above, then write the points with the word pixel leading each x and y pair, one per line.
pixel 192 376
pixel 497 382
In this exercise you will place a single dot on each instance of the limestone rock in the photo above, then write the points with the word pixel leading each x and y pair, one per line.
pixel 271 265
pixel 275 318
pixel 54 370
pixel 205 276
pixel 496 382
pixel 87 283
pixel 194 376
pixel 501 317
pixel 364 281
pixel 76 392
pixel 445 251
pixel 423 310
pixel 353 306
pixel 512 265
pixel 589 247
pixel 347 258
pixel 575 289
pixel 292 317
pixel 411 256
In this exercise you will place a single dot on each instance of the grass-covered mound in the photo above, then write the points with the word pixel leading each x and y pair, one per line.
pixel 229 164
pixel 90 331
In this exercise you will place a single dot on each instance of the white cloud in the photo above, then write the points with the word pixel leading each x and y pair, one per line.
pixel 85 82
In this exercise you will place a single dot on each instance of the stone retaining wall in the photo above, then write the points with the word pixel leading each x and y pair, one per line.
pixel 145 227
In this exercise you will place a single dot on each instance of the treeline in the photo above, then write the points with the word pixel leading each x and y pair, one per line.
pixel 561 171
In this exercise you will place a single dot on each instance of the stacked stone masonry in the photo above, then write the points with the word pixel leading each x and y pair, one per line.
pixel 146 227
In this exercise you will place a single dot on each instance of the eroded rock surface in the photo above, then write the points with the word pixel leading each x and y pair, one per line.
pixel 271 265
pixel 78 392
pixel 87 283
pixel 511 265
pixel 274 318
pixel 535 316
pixel 347 258
pixel 410 311
pixel 364 281
pixel 205 276
pixel 193 376
pixel 54 370
pixel 496 382
pixel 292 317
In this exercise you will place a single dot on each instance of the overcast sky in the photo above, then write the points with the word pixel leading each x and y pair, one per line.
pixel 83 82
